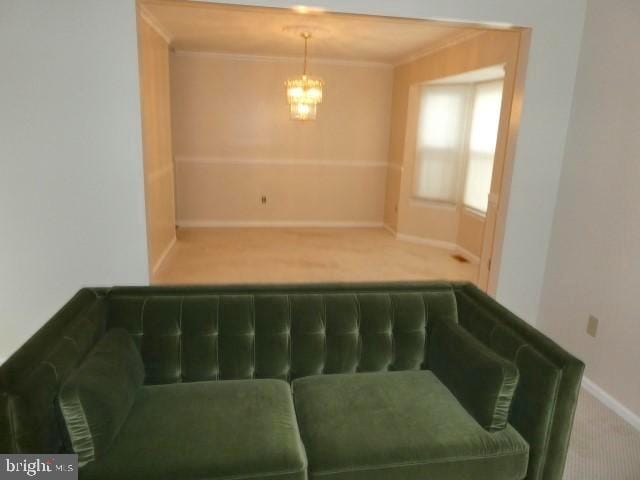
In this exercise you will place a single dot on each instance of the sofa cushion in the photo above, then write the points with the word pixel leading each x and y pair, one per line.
pixel 236 429
pixel 482 381
pixel 401 425
pixel 96 398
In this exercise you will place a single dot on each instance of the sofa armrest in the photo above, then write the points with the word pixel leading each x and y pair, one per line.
pixel 482 381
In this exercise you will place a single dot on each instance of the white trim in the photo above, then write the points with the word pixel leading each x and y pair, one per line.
pixel 458 39
pixel 426 203
pixel 472 212
pixel 274 224
pixel 248 57
pixel 452 247
pixel 282 161
pixel 163 255
pixel 472 258
pixel 427 241
pixel 613 404
pixel 153 22
pixel 481 75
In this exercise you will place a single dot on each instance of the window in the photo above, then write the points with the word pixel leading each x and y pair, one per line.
pixel 456 140
pixel 482 144
pixel 440 141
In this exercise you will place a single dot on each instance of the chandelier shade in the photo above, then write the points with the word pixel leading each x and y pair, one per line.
pixel 304 93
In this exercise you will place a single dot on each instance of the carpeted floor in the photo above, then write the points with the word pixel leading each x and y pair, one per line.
pixel 291 255
pixel 603 446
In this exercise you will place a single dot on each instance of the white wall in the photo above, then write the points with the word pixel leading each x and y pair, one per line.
pixel 233 141
pixel 71 187
pixel 557 29
pixel 593 265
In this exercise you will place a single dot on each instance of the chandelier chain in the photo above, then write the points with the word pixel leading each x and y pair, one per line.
pixel 306 36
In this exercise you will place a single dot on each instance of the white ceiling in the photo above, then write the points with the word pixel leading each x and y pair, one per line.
pixel 193 26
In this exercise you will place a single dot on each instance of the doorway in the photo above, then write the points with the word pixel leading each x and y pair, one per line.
pixel 221 151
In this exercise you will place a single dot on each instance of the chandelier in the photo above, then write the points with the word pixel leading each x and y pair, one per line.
pixel 304 93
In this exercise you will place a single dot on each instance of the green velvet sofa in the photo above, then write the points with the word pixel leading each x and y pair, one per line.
pixel 427 380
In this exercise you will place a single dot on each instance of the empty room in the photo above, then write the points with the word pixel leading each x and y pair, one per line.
pixel 340 240
pixel 388 176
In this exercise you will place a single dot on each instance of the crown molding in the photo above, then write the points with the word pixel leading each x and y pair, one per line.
pixel 153 22
pixel 438 46
pixel 246 57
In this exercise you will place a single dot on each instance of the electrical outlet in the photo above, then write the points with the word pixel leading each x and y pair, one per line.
pixel 263 199
pixel 592 326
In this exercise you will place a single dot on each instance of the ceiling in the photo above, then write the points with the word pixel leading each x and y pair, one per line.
pixel 207 27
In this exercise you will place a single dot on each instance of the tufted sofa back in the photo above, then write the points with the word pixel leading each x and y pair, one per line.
pixel 187 336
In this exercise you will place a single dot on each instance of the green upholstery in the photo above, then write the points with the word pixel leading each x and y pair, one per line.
pixel 188 334
pixel 30 379
pixel 276 335
pixel 482 381
pixel 400 425
pixel 96 398
pixel 545 400
pixel 207 430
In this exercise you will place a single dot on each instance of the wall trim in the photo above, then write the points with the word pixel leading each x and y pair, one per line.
pixel 610 402
pixel 153 22
pixel 473 258
pixel 283 161
pixel 427 241
pixel 447 43
pixel 163 256
pixel 247 57
pixel 426 203
pixel 274 224
pixel 451 246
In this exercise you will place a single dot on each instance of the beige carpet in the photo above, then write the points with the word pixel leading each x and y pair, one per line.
pixel 603 446
pixel 290 255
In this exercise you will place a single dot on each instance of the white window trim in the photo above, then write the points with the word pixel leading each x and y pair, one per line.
pixel 465 153
pixel 416 201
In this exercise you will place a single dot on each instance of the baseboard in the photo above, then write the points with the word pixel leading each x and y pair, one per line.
pixel 468 255
pixel 613 404
pixel 274 224
pixel 163 255
pixel 434 243
pixel 427 241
